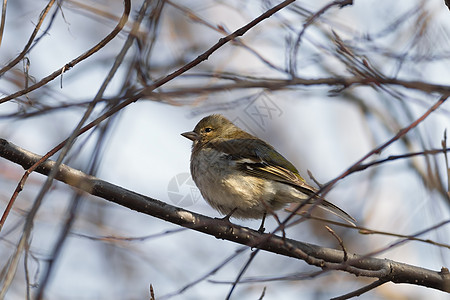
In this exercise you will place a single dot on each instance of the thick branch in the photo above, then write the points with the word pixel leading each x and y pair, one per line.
pixel 326 258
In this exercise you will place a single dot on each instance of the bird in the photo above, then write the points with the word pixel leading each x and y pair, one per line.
pixel 242 176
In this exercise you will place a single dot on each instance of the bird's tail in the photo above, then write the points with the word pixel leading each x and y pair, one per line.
pixel 324 204
pixel 307 192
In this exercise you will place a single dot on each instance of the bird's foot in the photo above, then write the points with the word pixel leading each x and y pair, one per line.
pixel 261 227
pixel 228 216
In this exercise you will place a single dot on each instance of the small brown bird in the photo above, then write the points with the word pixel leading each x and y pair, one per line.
pixel 239 174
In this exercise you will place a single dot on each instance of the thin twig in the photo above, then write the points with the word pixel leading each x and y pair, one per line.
pixel 152 293
pixel 2 22
pixel 21 55
pixel 361 291
pixel 203 277
pixel 309 21
pixel 365 230
pixel 241 272
pixel 401 156
pixel 75 61
pixel 447 167
pixel 338 238
pixel 396 137
pixel 263 293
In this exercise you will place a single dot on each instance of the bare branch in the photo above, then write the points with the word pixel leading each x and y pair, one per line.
pixel 325 258
pixel 21 55
pixel 123 20
pixel 447 167
pixel 278 84
pixel 2 22
pixel 311 19
pixel 361 291
pixel 340 241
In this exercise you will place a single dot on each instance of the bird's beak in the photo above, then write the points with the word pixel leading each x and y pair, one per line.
pixel 193 136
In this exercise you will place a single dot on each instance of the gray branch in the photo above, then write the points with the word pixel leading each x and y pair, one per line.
pixel 384 270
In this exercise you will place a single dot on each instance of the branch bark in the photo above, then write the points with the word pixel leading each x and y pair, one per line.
pixel 326 258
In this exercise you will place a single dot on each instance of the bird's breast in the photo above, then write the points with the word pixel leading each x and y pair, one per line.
pixel 227 187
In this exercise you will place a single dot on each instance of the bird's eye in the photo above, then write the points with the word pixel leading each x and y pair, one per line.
pixel 208 129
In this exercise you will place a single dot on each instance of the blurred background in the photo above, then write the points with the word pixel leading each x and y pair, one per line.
pixel 111 252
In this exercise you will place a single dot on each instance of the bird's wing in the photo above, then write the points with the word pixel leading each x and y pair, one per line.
pixel 258 158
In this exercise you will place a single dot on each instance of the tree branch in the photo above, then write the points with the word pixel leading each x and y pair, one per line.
pixel 120 25
pixel 278 84
pixel 325 258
